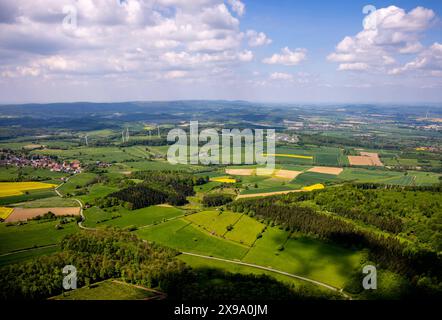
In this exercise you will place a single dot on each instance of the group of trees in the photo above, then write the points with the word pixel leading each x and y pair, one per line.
pixel 216 199
pixel 159 187
pixel 96 256
pixel 413 212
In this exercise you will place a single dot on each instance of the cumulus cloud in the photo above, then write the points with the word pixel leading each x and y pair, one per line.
pixel 287 57
pixel 245 56
pixel 388 33
pixel 428 62
pixel 172 38
pixel 257 39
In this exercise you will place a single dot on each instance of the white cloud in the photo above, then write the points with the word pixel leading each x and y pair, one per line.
pixel 257 39
pixel 281 76
pixel 245 56
pixel 287 57
pixel 238 7
pixel 388 33
pixel 353 66
pixel 137 38
pixel 175 74
pixel 428 62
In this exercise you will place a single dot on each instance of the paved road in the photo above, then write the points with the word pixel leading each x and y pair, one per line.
pixel 271 270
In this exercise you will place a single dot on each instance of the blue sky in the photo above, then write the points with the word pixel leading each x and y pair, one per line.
pixel 275 51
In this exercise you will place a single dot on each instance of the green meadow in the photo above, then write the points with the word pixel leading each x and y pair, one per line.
pixel 182 235
pixel 128 218
pixel 32 234
pixel 304 256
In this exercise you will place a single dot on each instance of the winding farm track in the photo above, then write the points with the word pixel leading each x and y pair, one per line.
pixel 318 283
pixel 28 249
pixel 83 218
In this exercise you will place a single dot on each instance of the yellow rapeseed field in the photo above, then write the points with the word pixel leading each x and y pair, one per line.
pixel 317 186
pixel 223 180
pixel 288 156
pixel 8 189
pixel 5 212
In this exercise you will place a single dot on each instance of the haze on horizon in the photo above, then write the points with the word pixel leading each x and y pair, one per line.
pixel 145 50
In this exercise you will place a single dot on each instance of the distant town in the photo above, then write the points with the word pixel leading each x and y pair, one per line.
pixel 8 158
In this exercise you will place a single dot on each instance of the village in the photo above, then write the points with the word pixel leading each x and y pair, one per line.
pixel 8 158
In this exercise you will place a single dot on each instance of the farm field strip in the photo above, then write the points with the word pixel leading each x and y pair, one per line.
pixel 283 155
pixel 266 194
pixel 23 214
pixel 326 170
pixel 8 189
pixel 366 159
pixel 5 212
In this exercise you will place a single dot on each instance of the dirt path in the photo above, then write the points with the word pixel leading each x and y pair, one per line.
pixel 83 218
pixel 27 249
pixel 324 285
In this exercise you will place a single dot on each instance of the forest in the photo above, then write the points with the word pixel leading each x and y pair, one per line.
pixel 159 187
pixel 412 212
pixel 216 200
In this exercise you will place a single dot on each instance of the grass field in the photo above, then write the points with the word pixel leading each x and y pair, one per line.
pixel 97 191
pixel 245 230
pixel 20 256
pixel 277 188
pixel 32 234
pixel 181 235
pixel 47 203
pixel 30 196
pixel 389 177
pixel 107 290
pixel 137 218
pixel 76 182
pixel 8 189
pixel 214 221
pixel 197 262
pixel 311 178
pixel 304 256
